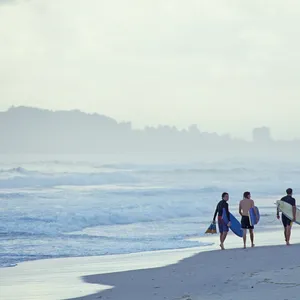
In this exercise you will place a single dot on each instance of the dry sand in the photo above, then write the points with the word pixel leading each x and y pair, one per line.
pixel 258 273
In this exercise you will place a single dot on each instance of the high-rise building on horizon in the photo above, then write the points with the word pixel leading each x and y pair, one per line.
pixel 261 135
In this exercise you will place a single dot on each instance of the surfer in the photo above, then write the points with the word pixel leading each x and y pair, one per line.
pixel 223 228
pixel 244 208
pixel 287 223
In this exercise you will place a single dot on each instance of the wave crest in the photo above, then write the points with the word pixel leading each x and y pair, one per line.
pixel 23 178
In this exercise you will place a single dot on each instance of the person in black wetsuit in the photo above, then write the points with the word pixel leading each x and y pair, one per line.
pixel 287 223
pixel 223 228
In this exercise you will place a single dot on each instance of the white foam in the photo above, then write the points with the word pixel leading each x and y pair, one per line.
pixel 131 208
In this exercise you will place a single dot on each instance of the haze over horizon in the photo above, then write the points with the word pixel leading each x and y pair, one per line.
pixel 227 67
pixel 131 125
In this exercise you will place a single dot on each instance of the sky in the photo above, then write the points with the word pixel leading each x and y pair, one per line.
pixel 227 66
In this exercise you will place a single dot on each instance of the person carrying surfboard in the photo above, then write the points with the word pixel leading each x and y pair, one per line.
pixel 287 223
pixel 223 228
pixel 244 208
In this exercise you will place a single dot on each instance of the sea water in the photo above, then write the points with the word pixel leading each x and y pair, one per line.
pixel 66 206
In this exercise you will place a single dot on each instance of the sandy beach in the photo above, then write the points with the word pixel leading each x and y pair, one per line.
pixel 263 272
pixel 133 133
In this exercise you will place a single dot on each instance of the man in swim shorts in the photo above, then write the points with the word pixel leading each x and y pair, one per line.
pixel 244 208
pixel 287 223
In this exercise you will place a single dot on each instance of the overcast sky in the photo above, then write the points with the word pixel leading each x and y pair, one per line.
pixel 226 65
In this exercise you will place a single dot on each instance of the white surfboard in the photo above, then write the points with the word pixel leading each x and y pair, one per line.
pixel 287 210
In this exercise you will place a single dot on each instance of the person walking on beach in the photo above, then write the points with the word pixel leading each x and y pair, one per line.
pixel 244 208
pixel 287 223
pixel 223 228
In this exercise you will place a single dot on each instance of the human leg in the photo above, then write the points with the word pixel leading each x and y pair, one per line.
pixel 288 234
pixel 252 237
pixel 287 228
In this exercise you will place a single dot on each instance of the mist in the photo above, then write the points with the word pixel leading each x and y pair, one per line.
pixel 227 67
pixel 35 131
pixel 122 125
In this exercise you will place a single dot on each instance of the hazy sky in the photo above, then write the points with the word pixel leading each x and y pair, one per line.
pixel 226 65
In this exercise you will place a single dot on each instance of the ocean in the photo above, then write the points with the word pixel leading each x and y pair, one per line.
pixel 63 206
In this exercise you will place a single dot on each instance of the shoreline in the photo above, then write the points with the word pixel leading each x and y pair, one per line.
pixel 211 243
pixel 70 278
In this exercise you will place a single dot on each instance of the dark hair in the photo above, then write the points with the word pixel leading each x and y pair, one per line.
pixel 289 191
pixel 246 194
pixel 224 194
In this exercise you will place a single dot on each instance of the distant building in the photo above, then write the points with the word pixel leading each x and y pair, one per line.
pixel 193 129
pixel 262 135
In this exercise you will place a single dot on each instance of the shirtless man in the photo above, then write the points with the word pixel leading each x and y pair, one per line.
pixel 244 208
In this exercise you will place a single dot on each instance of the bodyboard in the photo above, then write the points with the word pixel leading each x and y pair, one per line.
pixel 252 216
pixel 235 224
